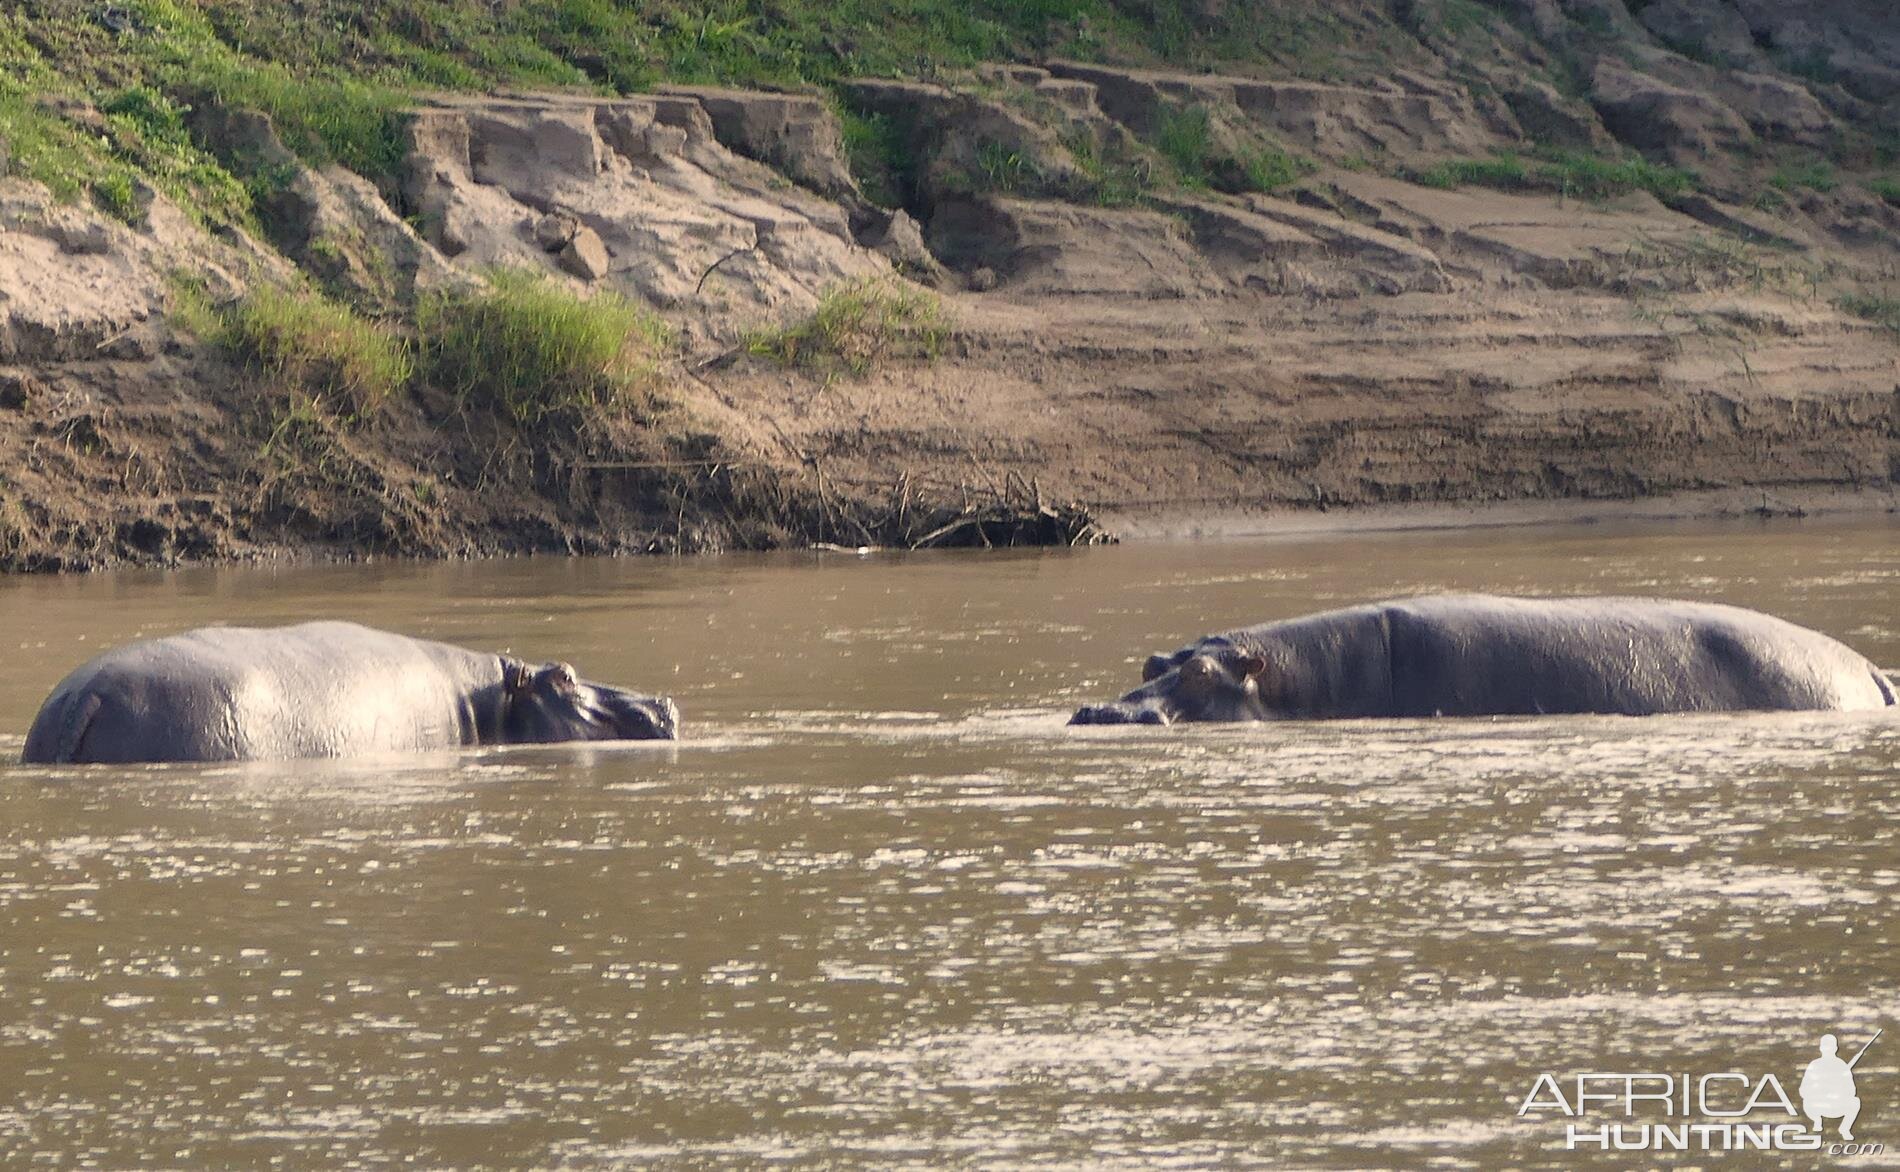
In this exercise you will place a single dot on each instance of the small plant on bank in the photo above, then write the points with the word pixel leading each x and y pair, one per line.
pixel 340 363
pixel 1882 311
pixel 1571 173
pixel 1590 177
pixel 1505 171
pixel 878 157
pixel 1886 188
pixel 117 196
pixel 1456 18
pixel 855 326
pixel 1816 176
pixel 1186 138
pixel 191 309
pixel 530 348
pixel 1005 170
pixel 1112 178
pixel 1816 63
pixel 350 364
pixel 1272 169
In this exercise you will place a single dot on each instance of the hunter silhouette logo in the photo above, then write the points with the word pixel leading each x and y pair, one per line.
pixel 1827 1088
pixel 1727 1110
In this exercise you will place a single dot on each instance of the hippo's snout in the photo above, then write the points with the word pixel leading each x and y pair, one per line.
pixel 1118 714
pixel 663 718
pixel 626 716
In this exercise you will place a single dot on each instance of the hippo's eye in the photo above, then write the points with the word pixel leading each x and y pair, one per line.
pixel 1198 672
pixel 561 678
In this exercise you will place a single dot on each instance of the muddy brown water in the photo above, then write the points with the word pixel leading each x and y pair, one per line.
pixel 882 909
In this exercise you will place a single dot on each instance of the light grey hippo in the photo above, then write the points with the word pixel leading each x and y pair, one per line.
pixel 1482 655
pixel 321 690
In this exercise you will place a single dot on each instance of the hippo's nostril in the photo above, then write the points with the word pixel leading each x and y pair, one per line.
pixel 657 720
pixel 1117 714
pixel 669 721
pixel 644 718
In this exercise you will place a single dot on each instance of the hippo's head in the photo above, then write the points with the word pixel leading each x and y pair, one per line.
pixel 1216 681
pixel 549 704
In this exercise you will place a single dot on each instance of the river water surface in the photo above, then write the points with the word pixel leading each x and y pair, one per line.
pixel 880 908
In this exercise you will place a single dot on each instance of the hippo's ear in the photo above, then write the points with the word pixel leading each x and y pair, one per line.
pixel 1156 667
pixel 516 677
pixel 1250 666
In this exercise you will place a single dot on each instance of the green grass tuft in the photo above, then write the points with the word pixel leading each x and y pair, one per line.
pixel 1006 170
pixel 856 326
pixel 1114 178
pixel 1272 169
pixel 1572 173
pixel 1459 17
pixel 152 113
pixel 1816 175
pixel 1816 63
pixel 1592 177
pixel 191 309
pixel 1882 311
pixel 530 348
pixel 116 193
pixel 1505 171
pixel 348 365
pixel 1185 137
pixel 1887 188
pixel 878 156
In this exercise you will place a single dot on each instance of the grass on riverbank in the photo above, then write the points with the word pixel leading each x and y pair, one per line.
pixel 523 347
pixel 1187 138
pixel 856 326
pixel 1882 311
pixel 529 348
pixel 1569 173
pixel 346 365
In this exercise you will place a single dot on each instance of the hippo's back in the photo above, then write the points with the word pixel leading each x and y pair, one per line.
pixel 237 693
pixel 1482 654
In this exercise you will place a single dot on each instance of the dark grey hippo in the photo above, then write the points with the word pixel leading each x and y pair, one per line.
pixel 321 690
pixel 1481 655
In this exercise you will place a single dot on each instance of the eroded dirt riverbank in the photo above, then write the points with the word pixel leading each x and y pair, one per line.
pixel 1615 309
